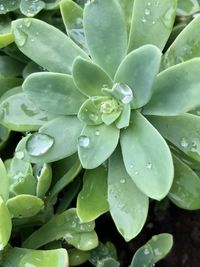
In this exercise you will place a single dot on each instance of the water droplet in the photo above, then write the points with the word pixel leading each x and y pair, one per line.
pixel 136 172
pixel 2 7
pixel 144 20
pixel 149 165
pixel 184 143
pixel 106 107
pixel 32 39
pixel 153 22
pixel 20 36
pixel 147 12
pixel 149 4
pixel 122 181
pixel 39 144
pixel 93 117
pixel 27 22
pixel 131 166
pixel 122 92
pixel 19 154
pixel 83 141
pixel 97 132
pixel 157 252
pixel 146 251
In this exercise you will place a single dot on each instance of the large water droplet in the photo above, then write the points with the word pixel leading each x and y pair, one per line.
pixel 83 141
pixel 122 92
pixel 184 143
pixel 19 154
pixel 38 144
pixel 20 36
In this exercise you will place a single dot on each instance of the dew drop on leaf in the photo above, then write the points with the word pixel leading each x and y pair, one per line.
pixel 19 154
pixel 146 251
pixel 144 20
pixel 147 12
pixel 97 132
pixel 122 181
pixel 39 144
pixel 83 141
pixel 149 165
pixel 184 143
pixel 123 92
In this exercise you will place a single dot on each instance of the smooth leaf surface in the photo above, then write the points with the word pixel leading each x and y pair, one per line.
pixel 96 144
pixel 128 205
pixel 138 70
pixel 32 33
pixel 72 15
pixel 22 257
pixel 64 131
pixel 92 199
pixel 59 226
pixel 127 8
pixel 18 113
pixel 152 22
pixel 90 78
pixel 185 46
pixel 185 190
pixel 124 118
pixel 105 32
pixel 174 129
pixel 24 206
pixel 46 90
pixel 5 224
pixel 176 90
pixel 4 181
pixel 147 157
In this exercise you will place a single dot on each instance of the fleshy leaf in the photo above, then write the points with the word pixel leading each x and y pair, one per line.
pixel 187 8
pixel 92 199
pixel 64 132
pixel 147 157
pixel 153 251
pixel 127 8
pixel 18 113
pixel 174 130
pixel 152 22
pixel 72 15
pixel 8 82
pixel 138 71
pixel 46 90
pixel 128 205
pixel 64 225
pixel 176 90
pixel 31 8
pixel 185 190
pixel 105 32
pixel 77 257
pixel 7 6
pixel 96 144
pixel 185 46
pixel 22 257
pixel 24 206
pixel 43 174
pixel 124 118
pixel 4 181
pixel 5 224
pixel 90 78
pixel 32 33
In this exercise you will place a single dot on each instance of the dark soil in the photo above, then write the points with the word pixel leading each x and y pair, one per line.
pixel 184 225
